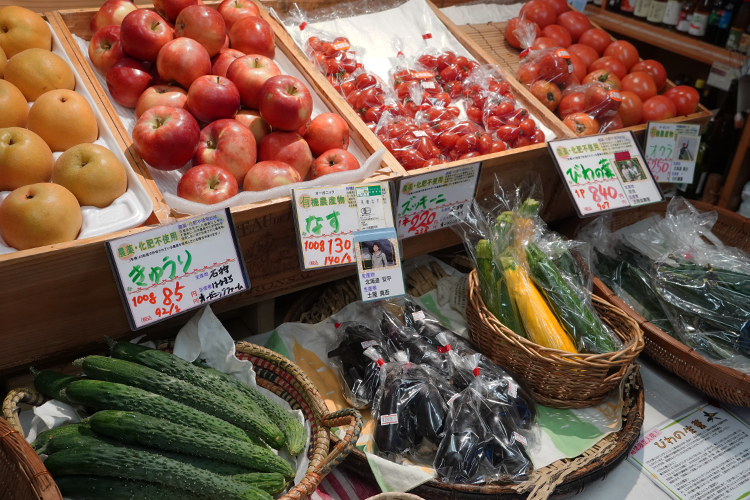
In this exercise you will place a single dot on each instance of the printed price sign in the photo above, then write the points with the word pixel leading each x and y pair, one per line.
pixel 171 269
pixel 425 201
pixel 379 264
pixel 702 454
pixel 604 172
pixel 327 217
pixel 671 151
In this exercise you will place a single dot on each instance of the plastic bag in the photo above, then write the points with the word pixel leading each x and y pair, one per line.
pixel 510 123
pixel 552 65
pixel 428 327
pixel 357 355
pixel 411 144
pixel 363 91
pixel 521 33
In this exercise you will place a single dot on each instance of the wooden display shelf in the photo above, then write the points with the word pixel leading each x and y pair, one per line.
pixel 678 43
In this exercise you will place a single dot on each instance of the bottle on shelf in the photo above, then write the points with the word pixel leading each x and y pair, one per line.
pixel 641 9
pixel 627 7
pixel 712 25
pixel 725 23
pixel 672 14
pixel 694 190
pixel 613 6
pixel 740 23
pixel 700 18
pixel 598 3
pixel 656 11
pixel 686 16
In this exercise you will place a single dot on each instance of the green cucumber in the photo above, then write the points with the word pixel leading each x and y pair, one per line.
pixel 52 384
pixel 177 367
pixel 142 377
pixel 112 396
pixel 269 482
pixel 111 461
pixel 139 429
pixel 106 488
pixel 43 439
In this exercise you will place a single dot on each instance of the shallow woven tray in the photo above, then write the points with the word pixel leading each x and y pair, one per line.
pixel 722 383
pixel 24 474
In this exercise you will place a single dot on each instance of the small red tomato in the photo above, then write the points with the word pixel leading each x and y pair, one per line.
pixel 597 39
pixel 611 64
pixel 428 61
pixel 454 89
pixel 538 12
pixel 493 123
pixel 466 143
pixel 433 162
pixel 624 51
pixel 484 144
pixel 373 114
pixel 474 114
pixel 658 108
pixel 575 22
pixel 582 124
pixel 462 63
pixel 365 80
pixel 521 141
pixel 547 93
pixel 586 53
pixel 508 133
pixel 640 84
pixel 521 33
pixel 603 76
pixel 559 34
pixel 528 126
pixel 538 137
pixel 631 109
pixel 412 160
pixel 653 68
pixel 498 146
pixel 684 98
pixel 447 140
pixel 450 73
pixel 445 59
pixel 466 156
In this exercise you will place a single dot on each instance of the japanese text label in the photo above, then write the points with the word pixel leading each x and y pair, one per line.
pixel 671 151
pixel 378 264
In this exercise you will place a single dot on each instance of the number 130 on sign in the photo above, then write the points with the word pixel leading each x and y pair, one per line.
pixel 331 251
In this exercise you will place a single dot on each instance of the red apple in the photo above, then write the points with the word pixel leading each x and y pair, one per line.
pixel 204 25
pixel 221 63
pixel 207 184
pixel 229 145
pixel 285 103
pixel 213 98
pixel 170 9
pixel 127 79
pixel 226 43
pixel 269 174
pixel 160 95
pixel 183 60
pixel 143 34
pixel 288 147
pixel 253 35
pixel 112 12
pixel 327 131
pixel 334 160
pixel 166 138
pixel 249 73
pixel 105 48
pixel 234 10
pixel 252 120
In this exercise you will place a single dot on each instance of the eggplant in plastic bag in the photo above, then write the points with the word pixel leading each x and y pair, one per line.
pixel 428 327
pixel 418 350
pixel 359 372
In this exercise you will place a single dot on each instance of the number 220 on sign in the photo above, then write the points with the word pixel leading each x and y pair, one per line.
pixel 334 250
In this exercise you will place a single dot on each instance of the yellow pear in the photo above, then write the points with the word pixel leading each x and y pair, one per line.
pixel 13 103
pixel 92 173
pixel 36 71
pixel 22 29
pixel 24 158
pixel 63 118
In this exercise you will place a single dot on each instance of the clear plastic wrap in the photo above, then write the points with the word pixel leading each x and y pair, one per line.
pixel 521 33
pixel 553 65
pixel 363 91
pixel 428 327
pixel 410 144
pixel 509 123
pixel 332 55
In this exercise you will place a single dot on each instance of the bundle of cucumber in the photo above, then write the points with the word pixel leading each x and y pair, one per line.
pixel 165 429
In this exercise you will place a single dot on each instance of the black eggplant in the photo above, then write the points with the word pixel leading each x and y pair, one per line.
pixel 428 328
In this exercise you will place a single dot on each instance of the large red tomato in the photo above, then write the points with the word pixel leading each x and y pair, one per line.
pixel 582 124
pixel 571 103
pixel 554 68
pixel 558 34
pixel 586 53
pixel 684 98
pixel 597 39
pixel 520 30
pixel 600 102
pixel 579 67
pixel 653 68
pixel 641 84
pixel 544 42
pixel 658 108
pixel 547 93
pixel 631 109
pixel 528 73
pixel 538 12
pixel 624 51
pixel 602 75
pixel 560 6
pixel 610 64
pixel 575 22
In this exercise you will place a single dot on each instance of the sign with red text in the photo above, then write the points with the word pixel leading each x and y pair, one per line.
pixel 604 173
pixel 327 217
pixel 671 151
pixel 177 267
pixel 425 201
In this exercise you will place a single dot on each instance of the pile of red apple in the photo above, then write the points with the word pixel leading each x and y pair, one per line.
pixel 205 88
pixel 595 84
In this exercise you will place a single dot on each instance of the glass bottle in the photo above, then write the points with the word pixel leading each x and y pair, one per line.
pixel 725 22
pixel 700 18
pixel 712 26
pixel 686 16
pixel 656 11
pixel 613 6
pixel 641 9
pixel 627 7
pixel 672 14
pixel 740 22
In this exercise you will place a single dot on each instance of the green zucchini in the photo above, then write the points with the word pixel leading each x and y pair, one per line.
pixel 111 461
pixel 269 482
pixel 52 384
pixel 43 439
pixel 135 375
pixel 139 429
pixel 112 396
pixel 174 366
pixel 107 488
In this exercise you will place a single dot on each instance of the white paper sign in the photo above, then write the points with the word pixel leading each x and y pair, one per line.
pixel 176 267
pixel 425 201
pixel 379 264
pixel 671 151
pixel 604 172
pixel 703 454
pixel 327 217
pixel 721 76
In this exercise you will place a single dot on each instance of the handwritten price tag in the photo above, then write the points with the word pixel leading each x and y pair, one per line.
pixel 177 267
pixel 671 151
pixel 604 172
pixel 425 201
pixel 327 217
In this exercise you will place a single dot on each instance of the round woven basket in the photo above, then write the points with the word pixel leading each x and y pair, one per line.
pixel 23 472
pixel 722 383
pixel 557 378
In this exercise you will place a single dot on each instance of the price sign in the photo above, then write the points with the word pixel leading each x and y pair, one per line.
pixel 327 217
pixel 671 151
pixel 604 172
pixel 177 267
pixel 425 201
pixel 379 264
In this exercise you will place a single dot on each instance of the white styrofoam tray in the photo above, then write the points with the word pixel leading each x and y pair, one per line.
pixel 482 13
pixel 167 181
pixel 129 210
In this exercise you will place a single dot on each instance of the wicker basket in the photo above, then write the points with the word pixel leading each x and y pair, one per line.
pixel 557 378
pixel 722 383
pixel 26 476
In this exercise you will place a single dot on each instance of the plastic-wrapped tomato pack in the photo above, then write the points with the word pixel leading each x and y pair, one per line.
pixel 332 55
pixel 413 146
pixel 552 65
pixel 508 123
pixel 591 108
pixel 364 90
